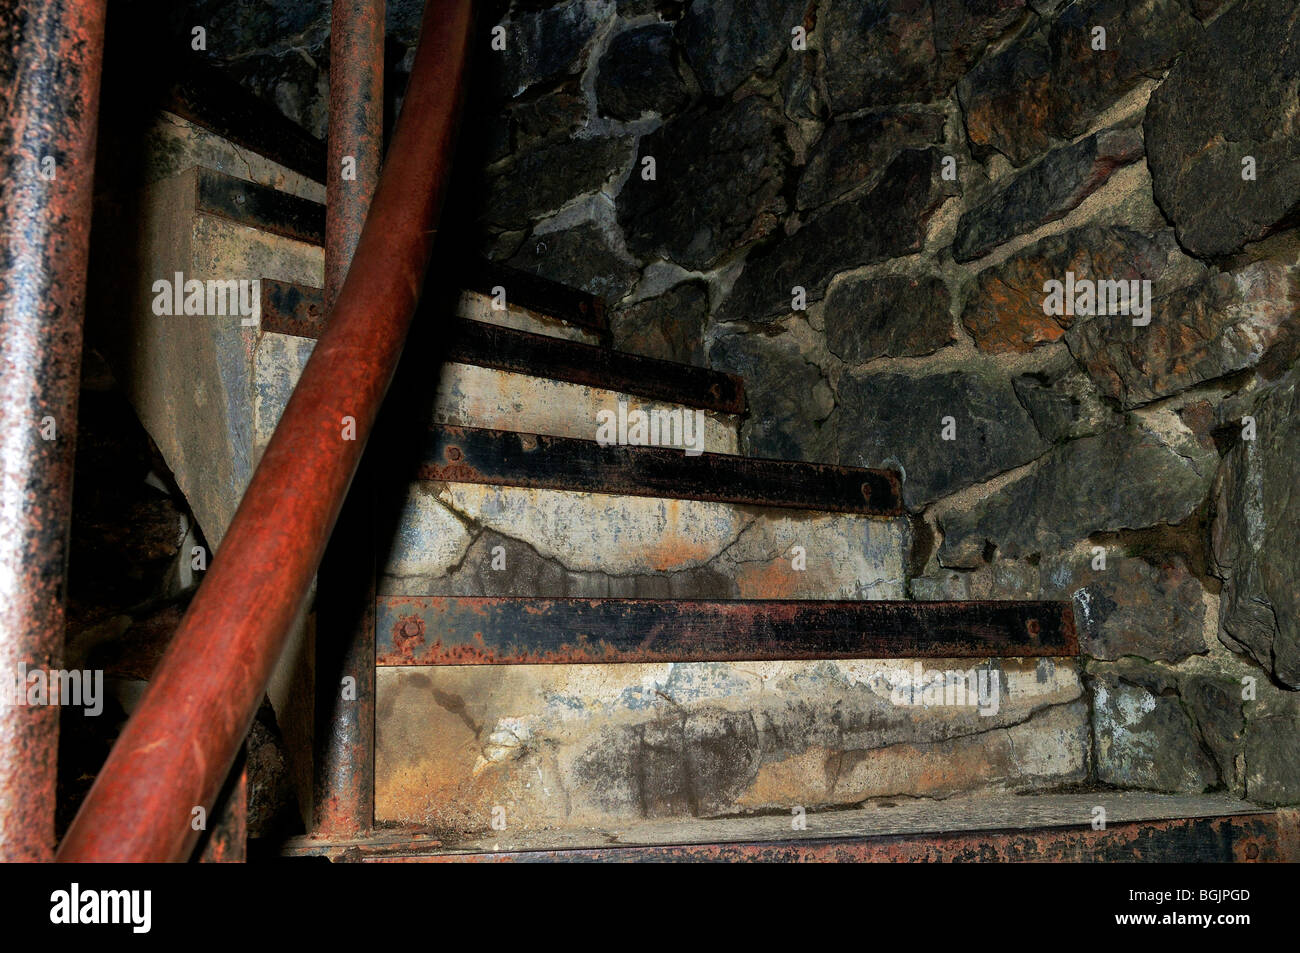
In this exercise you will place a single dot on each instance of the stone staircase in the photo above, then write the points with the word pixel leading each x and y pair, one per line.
pixel 582 644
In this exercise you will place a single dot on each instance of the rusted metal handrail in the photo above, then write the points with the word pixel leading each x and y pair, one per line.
pixel 177 749
pixel 50 56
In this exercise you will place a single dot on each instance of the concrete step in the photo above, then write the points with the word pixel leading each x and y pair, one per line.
pixel 1151 828
pixel 595 745
pixel 507 514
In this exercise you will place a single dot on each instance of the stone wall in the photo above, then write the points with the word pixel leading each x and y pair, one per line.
pixel 858 206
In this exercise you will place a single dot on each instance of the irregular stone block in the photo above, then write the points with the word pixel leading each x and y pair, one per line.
pixel 1256 537
pixel 1064 403
pixel 789 396
pixel 1272 739
pixel 880 52
pixel 1233 95
pixel 886 222
pixel 1142 38
pixel 638 74
pixel 1144 737
pixel 1052 84
pixel 1045 192
pixel 856 152
pixel 1222 324
pixel 728 41
pixel 893 316
pixel 1005 99
pixel 899 420
pixel 1134 607
pixel 547 44
pixel 544 179
pixel 1129 478
pixel 669 326
pixel 719 172
pixel 580 257
pixel 1005 311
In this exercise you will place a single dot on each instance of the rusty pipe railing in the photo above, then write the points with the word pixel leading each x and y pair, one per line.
pixel 50 56
pixel 177 749
pixel 343 802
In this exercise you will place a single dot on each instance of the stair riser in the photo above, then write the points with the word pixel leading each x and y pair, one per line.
pixel 556 543
pixel 470 396
pixel 579 745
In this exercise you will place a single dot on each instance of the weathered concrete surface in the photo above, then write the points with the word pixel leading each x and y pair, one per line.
pixel 558 543
pixel 173 144
pixel 471 396
pixel 193 378
pixel 569 745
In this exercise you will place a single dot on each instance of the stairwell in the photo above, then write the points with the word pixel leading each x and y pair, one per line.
pixel 585 648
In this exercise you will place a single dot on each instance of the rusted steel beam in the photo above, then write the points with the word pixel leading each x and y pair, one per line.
pixel 177 750
pixel 344 782
pixel 299 310
pixel 480 630
pixel 504 458
pixel 51 53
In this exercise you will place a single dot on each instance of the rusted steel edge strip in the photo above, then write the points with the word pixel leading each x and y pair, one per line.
pixel 206 97
pixel 1260 838
pixel 289 308
pixel 506 458
pixel 51 56
pixel 539 294
pixel 257 206
pixel 479 630
pixel 178 747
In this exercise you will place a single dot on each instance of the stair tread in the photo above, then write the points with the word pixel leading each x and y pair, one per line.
pixel 1006 827
pixel 208 97
pixel 299 310
pixel 478 630
pixel 535 461
pixel 272 210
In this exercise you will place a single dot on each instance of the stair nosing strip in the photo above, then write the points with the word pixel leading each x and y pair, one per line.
pixel 491 457
pixel 526 630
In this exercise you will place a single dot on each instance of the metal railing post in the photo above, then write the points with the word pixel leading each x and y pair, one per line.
pixel 344 791
pixel 51 52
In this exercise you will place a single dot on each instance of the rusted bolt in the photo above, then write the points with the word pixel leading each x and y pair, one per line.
pixel 1252 851
pixel 411 629
pixel 1033 628
pixel 453 454
pixel 239 198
